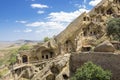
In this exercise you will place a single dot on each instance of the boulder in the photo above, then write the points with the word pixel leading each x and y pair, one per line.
pixel 106 46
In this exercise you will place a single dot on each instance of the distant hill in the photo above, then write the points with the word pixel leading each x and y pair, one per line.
pixel 21 42
pixel 8 44
pixel 5 44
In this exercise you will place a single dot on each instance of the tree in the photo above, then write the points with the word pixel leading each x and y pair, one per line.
pixel 24 47
pixel 46 39
pixel 90 71
pixel 13 55
pixel 12 59
pixel 113 28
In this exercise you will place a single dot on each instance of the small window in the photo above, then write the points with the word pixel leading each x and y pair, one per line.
pixel 84 18
pixel 65 76
pixel 90 33
pixel 42 57
pixel 24 58
pixel 109 11
pixel 66 42
pixel 85 33
pixel 85 49
pixel 94 33
pixel 46 56
pixel 51 54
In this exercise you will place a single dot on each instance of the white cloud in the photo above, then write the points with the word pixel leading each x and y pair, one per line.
pixel 35 24
pixel 21 21
pixel 40 12
pixel 27 30
pixel 55 22
pixel 94 2
pixel 39 31
pixel 46 25
pixel 65 16
pixel 39 6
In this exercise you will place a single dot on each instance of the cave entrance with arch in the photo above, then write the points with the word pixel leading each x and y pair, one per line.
pixel 69 46
pixel 24 59
pixel 47 54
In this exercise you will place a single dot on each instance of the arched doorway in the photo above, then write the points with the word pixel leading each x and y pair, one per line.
pixel 86 48
pixel 68 46
pixel 24 59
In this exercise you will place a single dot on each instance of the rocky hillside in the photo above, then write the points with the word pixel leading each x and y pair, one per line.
pixel 8 52
pixel 57 59
pixel 64 66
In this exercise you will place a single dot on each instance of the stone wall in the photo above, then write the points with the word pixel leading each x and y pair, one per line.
pixel 106 61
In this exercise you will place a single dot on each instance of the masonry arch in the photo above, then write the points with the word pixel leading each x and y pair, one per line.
pixel 86 48
pixel 47 54
pixel 110 11
pixel 86 18
pixel 85 33
pixel 24 58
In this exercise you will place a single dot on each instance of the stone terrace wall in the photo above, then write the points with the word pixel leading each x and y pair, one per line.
pixel 106 61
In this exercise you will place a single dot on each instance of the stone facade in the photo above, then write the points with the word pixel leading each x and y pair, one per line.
pixel 80 35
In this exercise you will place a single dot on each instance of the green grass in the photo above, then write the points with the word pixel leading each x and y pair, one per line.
pixel 4 71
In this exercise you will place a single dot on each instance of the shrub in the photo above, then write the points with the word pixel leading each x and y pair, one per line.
pixel 24 47
pixel 46 39
pixel 90 71
pixel 1 62
pixel 12 59
pixel 113 28
pixel 13 55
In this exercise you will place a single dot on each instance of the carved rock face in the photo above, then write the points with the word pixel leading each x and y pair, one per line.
pixel 111 0
pixel 55 70
pixel 105 47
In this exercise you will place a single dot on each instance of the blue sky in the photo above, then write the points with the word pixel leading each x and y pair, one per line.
pixel 36 19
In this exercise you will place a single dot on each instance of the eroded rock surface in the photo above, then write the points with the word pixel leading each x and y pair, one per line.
pixel 105 47
pixel 57 69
